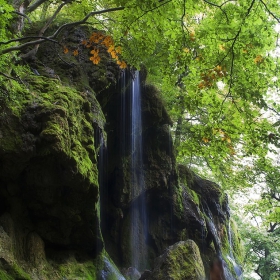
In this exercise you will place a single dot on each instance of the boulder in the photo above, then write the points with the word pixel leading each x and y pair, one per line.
pixel 180 261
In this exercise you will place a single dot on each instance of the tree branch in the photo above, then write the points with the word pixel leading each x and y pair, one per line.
pixel 35 5
pixel 42 31
pixel 57 32
pixel 162 4
pixel 268 10
pixel 84 20
pixel 218 6
pixel 231 50
pixel 272 109
pixel 27 38
pixel 23 15
pixel 8 77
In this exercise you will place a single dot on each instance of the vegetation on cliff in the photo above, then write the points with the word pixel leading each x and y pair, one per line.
pixel 215 63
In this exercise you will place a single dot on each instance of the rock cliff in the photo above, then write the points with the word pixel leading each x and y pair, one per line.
pixel 63 215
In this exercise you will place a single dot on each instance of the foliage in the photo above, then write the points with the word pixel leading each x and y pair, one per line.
pixel 261 236
pixel 215 63
pixel 5 17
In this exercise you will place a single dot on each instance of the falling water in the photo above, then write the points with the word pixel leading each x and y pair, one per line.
pixel 102 160
pixel 138 211
pixel 217 244
pixel 231 258
pixel 102 169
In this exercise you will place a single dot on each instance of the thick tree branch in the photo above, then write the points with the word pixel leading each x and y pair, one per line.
pixel 84 20
pixel 42 31
pixel 34 6
pixel 272 227
pixel 57 32
pixel 27 38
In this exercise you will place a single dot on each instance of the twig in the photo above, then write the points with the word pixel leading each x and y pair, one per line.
pixel 272 109
pixel 218 6
pixel 8 77
pixel 231 49
pixel 227 2
pixel 155 8
pixel 182 21
pixel 45 27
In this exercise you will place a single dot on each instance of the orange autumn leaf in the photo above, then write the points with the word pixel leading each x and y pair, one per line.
pixel 94 52
pixel 96 37
pixel 258 59
pixel 75 52
pixel 114 54
pixel 95 59
pixel 84 42
pixel 65 50
pixel 123 65
pixel 118 49
pixel 111 49
pixel 192 36
pixel 205 140
pixel 201 85
pixel 108 41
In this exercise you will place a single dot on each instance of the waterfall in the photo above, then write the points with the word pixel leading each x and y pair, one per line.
pixel 138 209
pixel 211 227
pixel 230 257
pixel 102 162
pixel 131 145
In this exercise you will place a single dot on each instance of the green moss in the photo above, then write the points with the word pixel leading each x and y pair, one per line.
pixel 79 271
pixel 18 273
pixel 238 248
pixel 195 197
pixel 105 265
pixel 14 272
pixel 4 275
pixel 186 176
pixel 68 128
pixel 179 199
pixel 181 261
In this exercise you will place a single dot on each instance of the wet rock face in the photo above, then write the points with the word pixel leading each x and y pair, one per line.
pixel 180 261
pixel 180 204
pixel 158 168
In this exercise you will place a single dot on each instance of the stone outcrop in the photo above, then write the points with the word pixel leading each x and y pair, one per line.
pixel 51 223
pixel 179 261
pixel 180 204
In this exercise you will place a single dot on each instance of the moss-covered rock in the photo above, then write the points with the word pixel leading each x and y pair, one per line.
pixel 180 261
pixel 48 175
